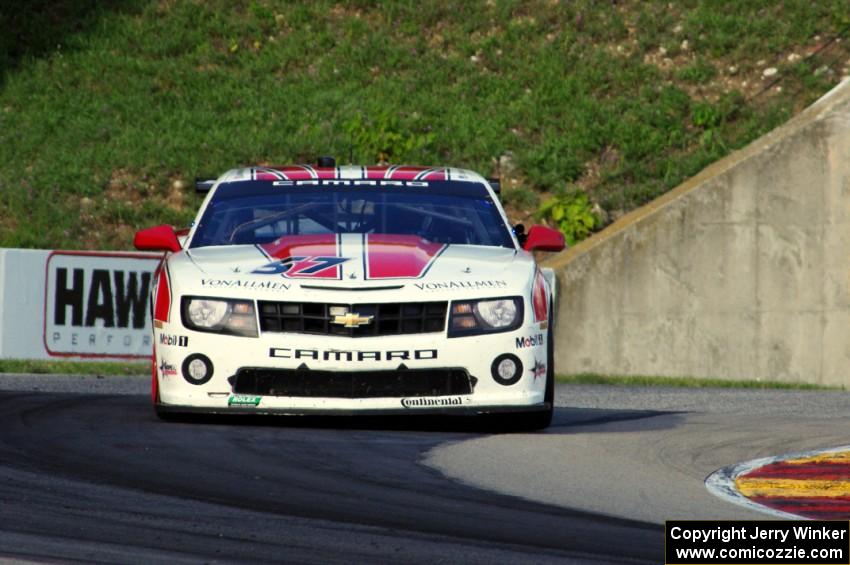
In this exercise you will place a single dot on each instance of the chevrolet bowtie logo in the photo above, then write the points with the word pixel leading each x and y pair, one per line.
pixel 352 320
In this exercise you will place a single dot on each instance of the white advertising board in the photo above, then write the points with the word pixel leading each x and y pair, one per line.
pixel 75 304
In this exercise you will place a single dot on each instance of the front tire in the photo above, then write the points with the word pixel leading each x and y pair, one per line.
pixel 170 416
pixel 539 420
pixel 163 414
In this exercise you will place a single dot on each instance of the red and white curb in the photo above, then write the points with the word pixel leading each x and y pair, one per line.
pixel 810 484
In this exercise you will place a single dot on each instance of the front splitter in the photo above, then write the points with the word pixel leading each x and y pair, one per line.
pixel 437 410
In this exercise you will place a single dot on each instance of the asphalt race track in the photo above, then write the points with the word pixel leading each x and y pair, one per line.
pixel 94 476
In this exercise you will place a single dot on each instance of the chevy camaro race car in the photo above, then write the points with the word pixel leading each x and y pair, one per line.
pixel 353 290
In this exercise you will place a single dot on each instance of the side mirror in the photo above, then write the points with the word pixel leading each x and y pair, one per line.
pixel 542 238
pixel 159 238
pixel 203 185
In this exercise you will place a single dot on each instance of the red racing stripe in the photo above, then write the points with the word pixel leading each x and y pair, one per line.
pixel 266 173
pixel 439 174
pixel 295 172
pixel 327 172
pixel 376 172
pixel 390 256
pixel 307 172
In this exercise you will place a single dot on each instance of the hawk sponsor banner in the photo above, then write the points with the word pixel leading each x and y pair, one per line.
pixel 97 304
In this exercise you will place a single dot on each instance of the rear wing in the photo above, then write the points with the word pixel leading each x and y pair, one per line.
pixel 203 184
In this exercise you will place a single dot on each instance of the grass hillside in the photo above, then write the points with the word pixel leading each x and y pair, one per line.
pixel 108 110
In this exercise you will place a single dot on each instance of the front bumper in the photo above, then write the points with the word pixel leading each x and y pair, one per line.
pixel 276 351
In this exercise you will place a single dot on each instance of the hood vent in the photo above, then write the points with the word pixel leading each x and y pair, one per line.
pixel 351 288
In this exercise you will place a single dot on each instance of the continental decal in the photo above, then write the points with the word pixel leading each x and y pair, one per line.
pixel 432 402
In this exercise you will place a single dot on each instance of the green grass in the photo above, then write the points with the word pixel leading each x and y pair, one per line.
pixel 103 106
pixel 73 367
pixel 684 382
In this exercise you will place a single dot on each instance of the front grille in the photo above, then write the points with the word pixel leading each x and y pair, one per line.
pixel 357 384
pixel 386 319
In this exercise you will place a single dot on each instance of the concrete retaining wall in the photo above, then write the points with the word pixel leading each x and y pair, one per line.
pixel 743 272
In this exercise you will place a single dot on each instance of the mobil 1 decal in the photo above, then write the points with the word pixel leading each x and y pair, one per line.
pixel 97 304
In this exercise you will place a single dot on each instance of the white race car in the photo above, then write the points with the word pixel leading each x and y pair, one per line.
pixel 353 290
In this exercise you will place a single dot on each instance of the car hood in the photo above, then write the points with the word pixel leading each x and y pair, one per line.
pixel 355 262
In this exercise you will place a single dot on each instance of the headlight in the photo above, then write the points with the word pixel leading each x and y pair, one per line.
pixel 471 317
pixel 496 313
pixel 207 314
pixel 235 317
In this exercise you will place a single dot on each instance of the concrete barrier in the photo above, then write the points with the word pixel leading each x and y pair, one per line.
pixel 742 272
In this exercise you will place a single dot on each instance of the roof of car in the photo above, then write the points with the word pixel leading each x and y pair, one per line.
pixel 353 172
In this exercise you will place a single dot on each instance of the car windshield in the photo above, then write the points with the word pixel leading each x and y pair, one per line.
pixel 443 212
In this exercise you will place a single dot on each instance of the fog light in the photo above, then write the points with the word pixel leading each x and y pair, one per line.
pixel 506 369
pixel 197 369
